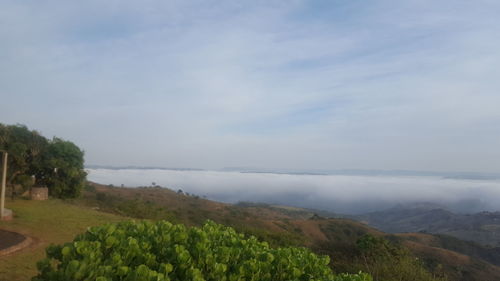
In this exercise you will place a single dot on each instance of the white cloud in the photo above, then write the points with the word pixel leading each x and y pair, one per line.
pixel 339 193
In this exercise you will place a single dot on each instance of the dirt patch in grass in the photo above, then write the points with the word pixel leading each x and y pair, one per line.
pixel 9 239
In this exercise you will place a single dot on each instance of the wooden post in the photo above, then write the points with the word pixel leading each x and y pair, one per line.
pixel 4 180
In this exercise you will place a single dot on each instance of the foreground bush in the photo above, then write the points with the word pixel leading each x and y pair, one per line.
pixel 163 251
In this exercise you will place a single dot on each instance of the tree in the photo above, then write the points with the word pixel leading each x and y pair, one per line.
pixel 57 163
pixel 25 148
pixel 63 171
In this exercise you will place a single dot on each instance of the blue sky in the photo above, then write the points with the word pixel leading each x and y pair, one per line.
pixel 272 84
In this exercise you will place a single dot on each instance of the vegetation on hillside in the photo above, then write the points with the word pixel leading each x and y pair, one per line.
pixel 36 160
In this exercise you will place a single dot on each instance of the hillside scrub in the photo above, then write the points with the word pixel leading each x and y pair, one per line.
pixel 393 262
pixel 164 251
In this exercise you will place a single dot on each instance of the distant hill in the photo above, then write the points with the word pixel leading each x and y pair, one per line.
pixel 482 228
pixel 369 172
pixel 110 167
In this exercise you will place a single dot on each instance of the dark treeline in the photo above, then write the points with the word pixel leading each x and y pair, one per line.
pixel 37 161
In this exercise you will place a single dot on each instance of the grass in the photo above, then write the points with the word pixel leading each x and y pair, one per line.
pixel 47 222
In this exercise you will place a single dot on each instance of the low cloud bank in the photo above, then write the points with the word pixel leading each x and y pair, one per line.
pixel 337 193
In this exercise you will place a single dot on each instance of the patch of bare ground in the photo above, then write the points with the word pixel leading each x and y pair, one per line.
pixel 311 229
pixel 421 238
pixel 11 242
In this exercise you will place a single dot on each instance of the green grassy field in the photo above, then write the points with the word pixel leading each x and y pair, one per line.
pixel 52 221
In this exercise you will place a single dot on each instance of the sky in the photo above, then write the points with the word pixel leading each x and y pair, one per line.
pixel 410 85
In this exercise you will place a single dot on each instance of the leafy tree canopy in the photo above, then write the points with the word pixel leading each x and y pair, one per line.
pixel 34 159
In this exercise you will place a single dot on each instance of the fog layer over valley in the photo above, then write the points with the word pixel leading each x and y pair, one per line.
pixel 349 194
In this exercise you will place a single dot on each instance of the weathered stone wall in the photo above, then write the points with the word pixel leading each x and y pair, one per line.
pixel 39 193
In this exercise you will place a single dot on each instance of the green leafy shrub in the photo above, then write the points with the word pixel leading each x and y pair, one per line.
pixel 164 251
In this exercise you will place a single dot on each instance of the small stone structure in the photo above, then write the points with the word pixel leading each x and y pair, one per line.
pixel 39 193
pixel 7 215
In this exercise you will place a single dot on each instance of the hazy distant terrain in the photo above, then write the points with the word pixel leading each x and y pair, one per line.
pixel 348 191
pixel 482 227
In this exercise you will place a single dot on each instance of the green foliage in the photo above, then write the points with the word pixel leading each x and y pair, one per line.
pixel 376 247
pixel 63 168
pixel 163 251
pixel 56 163
pixel 353 277
pixel 135 208
pixel 383 259
pixel 275 239
pixel 387 261
pixel 25 181
pixel 25 148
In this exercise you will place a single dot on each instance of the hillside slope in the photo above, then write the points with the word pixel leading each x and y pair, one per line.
pixel 283 225
pixel 482 228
